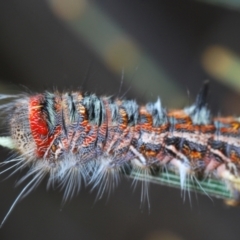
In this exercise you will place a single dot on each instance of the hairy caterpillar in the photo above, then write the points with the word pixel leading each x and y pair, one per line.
pixel 74 138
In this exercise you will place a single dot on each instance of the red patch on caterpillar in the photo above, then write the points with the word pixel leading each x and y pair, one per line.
pixel 39 126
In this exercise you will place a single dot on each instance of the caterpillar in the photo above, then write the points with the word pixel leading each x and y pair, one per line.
pixel 74 138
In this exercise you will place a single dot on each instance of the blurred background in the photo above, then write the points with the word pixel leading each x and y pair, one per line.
pixel 136 49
